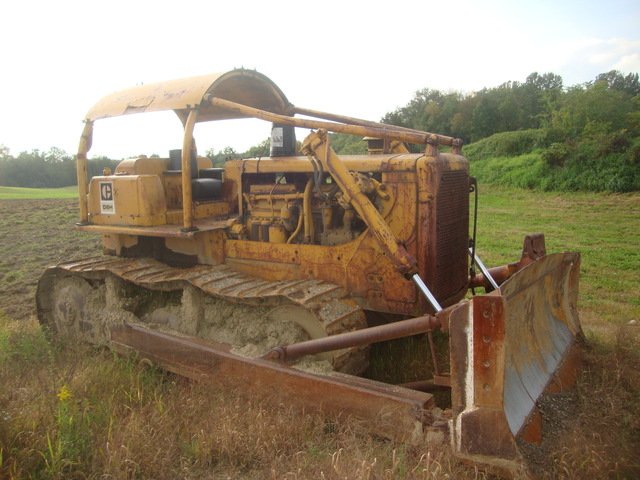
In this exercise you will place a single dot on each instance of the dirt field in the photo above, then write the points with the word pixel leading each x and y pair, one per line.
pixel 36 234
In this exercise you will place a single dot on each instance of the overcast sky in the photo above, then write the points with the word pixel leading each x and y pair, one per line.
pixel 357 58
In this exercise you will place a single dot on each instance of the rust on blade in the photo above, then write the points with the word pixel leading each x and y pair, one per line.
pixel 488 351
pixel 401 412
pixel 478 365
pixel 509 348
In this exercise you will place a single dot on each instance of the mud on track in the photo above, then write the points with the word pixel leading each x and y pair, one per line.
pixel 35 234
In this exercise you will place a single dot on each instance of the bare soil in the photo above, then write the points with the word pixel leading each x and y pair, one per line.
pixel 34 235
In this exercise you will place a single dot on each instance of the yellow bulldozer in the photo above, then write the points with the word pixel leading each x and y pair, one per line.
pixel 293 275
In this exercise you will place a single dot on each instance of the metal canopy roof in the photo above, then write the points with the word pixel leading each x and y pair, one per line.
pixel 246 87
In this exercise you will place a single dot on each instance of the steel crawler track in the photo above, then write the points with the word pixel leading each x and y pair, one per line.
pixel 327 303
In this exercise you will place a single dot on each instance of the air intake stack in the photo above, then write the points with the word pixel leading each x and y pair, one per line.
pixel 283 140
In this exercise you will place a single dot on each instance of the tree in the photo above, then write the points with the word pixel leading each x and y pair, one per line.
pixel 485 116
pixel 261 150
pixel 218 159
pixel 540 94
pixel 591 108
pixel 629 84
pixel 55 154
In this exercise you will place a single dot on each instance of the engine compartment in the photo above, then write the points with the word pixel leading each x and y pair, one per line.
pixel 303 209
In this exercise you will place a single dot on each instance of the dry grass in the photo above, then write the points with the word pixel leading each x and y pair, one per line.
pixel 594 430
pixel 72 411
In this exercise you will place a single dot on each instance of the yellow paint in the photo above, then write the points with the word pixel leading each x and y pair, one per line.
pixel 137 200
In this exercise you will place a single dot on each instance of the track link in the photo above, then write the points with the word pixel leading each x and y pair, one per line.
pixel 84 298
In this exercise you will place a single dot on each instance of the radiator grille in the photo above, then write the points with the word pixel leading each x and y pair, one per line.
pixel 452 234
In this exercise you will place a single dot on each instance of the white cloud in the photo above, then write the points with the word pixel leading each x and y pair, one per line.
pixel 608 51
pixel 628 63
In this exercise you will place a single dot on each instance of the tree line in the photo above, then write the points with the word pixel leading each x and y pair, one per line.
pixel 541 101
pixel 594 121
pixel 608 103
pixel 54 168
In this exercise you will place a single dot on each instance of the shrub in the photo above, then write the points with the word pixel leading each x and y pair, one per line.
pixel 556 154
pixel 602 162
pixel 507 144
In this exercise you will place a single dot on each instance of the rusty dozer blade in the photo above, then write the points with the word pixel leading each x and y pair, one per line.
pixel 399 412
pixel 507 349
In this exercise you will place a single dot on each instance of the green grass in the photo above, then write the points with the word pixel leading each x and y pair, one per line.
pixel 10 193
pixel 605 229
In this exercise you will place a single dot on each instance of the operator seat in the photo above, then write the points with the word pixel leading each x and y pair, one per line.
pixel 202 188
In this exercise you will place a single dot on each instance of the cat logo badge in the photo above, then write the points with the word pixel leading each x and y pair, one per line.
pixel 107 205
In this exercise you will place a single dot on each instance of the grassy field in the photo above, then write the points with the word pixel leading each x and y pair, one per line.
pixel 73 411
pixel 12 193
